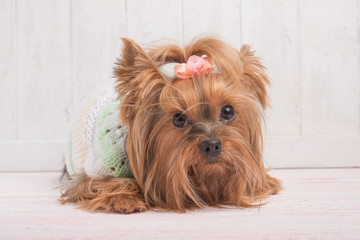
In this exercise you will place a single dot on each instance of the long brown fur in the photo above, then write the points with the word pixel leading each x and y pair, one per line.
pixel 107 194
pixel 170 173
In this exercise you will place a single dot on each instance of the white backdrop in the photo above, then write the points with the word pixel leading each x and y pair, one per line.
pixel 53 52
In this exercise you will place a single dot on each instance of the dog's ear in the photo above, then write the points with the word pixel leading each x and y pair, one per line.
pixel 234 64
pixel 253 74
pixel 138 79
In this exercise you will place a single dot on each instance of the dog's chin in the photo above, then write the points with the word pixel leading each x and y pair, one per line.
pixel 210 178
pixel 215 167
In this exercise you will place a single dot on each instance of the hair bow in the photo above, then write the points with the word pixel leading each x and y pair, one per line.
pixel 195 65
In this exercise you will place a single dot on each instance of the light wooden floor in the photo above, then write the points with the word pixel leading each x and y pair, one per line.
pixel 315 204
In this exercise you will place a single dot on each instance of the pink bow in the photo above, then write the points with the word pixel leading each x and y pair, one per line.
pixel 195 65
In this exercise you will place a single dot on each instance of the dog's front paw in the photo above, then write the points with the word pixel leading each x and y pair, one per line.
pixel 127 204
pixel 110 194
pixel 120 203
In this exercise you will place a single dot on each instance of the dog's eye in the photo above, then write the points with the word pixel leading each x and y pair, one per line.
pixel 227 113
pixel 180 120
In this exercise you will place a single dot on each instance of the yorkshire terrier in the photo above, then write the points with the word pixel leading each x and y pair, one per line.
pixel 177 142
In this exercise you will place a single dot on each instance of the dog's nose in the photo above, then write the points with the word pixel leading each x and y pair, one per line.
pixel 211 148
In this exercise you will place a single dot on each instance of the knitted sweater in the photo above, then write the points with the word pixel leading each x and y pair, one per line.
pixel 96 144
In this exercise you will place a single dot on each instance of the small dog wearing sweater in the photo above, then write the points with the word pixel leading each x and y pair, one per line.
pixel 178 142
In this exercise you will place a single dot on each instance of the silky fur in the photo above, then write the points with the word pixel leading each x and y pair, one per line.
pixel 170 173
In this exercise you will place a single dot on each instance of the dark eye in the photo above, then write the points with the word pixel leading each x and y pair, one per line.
pixel 227 113
pixel 180 120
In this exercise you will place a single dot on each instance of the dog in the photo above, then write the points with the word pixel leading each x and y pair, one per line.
pixel 190 140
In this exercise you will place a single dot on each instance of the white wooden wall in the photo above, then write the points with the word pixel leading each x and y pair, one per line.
pixel 53 52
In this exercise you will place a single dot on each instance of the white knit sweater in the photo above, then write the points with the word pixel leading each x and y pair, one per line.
pixel 96 144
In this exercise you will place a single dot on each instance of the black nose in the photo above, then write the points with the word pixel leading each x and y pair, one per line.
pixel 211 148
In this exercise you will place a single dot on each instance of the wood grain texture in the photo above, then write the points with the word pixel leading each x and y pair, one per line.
pixel 221 18
pixel 54 52
pixel 315 204
pixel 329 67
pixel 270 27
pixel 358 58
pixel 32 156
pixel 7 70
pixel 96 29
pixel 149 21
pixel 43 69
pixel 317 151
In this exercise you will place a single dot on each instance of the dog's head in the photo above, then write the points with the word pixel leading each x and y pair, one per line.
pixel 195 141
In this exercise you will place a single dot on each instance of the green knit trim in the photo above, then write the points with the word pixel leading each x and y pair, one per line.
pixel 111 142
pixel 72 165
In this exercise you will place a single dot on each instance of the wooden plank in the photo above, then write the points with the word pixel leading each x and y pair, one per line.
pixel 358 58
pixel 43 68
pixel 305 209
pixel 204 224
pixel 270 27
pixel 313 175
pixel 149 21
pixel 322 151
pixel 32 156
pixel 7 70
pixel 221 18
pixel 95 36
pixel 329 67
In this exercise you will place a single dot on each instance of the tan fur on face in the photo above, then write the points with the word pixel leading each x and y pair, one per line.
pixel 169 170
